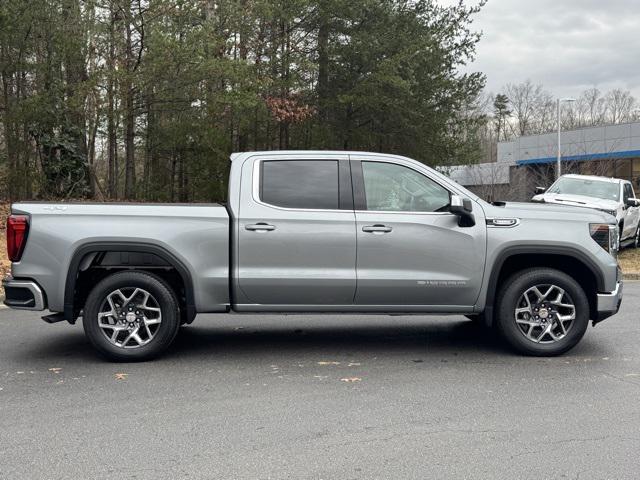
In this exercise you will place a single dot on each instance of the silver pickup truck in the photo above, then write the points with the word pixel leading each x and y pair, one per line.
pixel 322 232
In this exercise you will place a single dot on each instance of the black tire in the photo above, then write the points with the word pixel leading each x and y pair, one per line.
pixel 166 301
pixel 620 227
pixel 636 238
pixel 512 292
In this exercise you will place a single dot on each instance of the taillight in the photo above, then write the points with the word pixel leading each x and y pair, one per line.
pixel 17 230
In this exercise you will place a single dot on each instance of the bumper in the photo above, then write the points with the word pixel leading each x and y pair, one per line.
pixel 23 294
pixel 609 303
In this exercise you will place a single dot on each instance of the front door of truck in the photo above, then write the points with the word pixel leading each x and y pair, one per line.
pixel 631 214
pixel 296 233
pixel 411 250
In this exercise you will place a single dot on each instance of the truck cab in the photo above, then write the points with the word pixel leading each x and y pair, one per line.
pixel 351 232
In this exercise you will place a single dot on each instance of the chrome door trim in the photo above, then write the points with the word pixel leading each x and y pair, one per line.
pixel 392 212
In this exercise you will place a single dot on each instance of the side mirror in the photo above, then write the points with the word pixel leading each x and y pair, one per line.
pixel 463 208
pixel 632 202
pixel 540 190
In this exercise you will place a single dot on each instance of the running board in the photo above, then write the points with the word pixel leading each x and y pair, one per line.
pixel 626 243
pixel 54 318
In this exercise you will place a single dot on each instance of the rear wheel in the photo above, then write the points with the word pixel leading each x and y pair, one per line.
pixel 636 238
pixel 542 312
pixel 131 316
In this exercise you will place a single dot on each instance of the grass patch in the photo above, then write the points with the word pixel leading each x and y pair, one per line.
pixel 629 260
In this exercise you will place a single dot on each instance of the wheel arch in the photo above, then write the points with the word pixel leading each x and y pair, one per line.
pixel 85 254
pixel 565 259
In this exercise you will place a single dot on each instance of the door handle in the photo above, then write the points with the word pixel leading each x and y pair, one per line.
pixel 376 229
pixel 260 227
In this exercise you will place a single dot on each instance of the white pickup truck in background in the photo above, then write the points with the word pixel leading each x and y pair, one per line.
pixel 612 195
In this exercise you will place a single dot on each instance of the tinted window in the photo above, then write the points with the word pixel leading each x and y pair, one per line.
pixel 628 192
pixel 390 187
pixel 300 183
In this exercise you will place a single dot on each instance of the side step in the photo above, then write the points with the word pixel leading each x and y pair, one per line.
pixel 626 243
pixel 54 318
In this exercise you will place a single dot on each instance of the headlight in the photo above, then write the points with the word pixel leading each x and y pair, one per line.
pixel 606 236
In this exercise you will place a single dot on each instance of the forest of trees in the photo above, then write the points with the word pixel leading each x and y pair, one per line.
pixel 146 99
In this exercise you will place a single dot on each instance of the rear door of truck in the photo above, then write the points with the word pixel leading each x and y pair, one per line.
pixel 296 239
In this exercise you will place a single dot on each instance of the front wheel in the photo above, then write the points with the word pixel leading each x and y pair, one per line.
pixel 131 316
pixel 542 312
pixel 636 238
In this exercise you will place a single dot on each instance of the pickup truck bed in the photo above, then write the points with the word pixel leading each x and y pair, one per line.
pixel 194 236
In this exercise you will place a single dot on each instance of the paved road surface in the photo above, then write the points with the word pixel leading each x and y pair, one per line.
pixel 351 397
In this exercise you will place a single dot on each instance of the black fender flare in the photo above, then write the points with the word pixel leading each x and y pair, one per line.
pixel 561 251
pixel 97 247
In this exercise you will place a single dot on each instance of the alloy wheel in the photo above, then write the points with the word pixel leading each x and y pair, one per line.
pixel 129 317
pixel 545 313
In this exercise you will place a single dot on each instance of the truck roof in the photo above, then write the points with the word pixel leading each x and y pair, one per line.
pixel 237 155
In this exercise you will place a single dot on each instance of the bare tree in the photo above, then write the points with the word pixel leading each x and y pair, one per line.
pixel 620 105
pixel 525 99
pixel 545 109
pixel 592 107
pixel 488 179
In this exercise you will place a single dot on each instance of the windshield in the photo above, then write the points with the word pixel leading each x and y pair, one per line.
pixel 586 187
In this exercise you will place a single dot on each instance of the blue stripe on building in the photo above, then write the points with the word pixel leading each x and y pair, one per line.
pixel 581 158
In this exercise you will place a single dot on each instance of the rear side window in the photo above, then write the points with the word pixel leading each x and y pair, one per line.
pixel 311 184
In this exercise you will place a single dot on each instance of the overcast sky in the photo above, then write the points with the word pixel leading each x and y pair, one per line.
pixel 567 45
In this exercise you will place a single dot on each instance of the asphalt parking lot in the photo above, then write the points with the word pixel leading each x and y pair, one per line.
pixel 336 397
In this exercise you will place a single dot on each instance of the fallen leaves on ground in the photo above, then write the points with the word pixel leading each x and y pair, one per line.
pixel 55 370
pixel 121 376
pixel 351 379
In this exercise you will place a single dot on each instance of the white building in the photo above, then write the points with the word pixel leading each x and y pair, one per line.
pixel 612 150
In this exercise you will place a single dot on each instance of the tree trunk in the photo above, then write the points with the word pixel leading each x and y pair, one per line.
pixel 112 145
pixel 323 59
pixel 129 117
pixel 76 75
pixel 9 133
